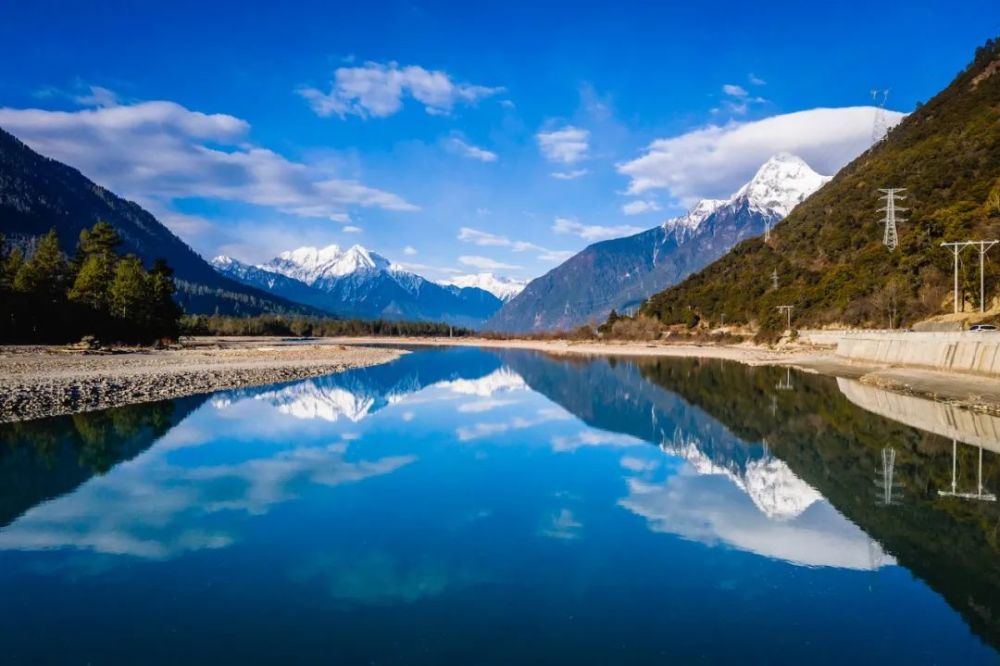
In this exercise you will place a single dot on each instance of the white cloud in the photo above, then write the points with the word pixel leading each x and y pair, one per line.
pixel 487 239
pixel 570 175
pixel 351 229
pixel 713 161
pixel 640 206
pixel 162 151
pixel 473 152
pixel 409 250
pixel 756 80
pixel 734 90
pixel 97 96
pixel 566 145
pixel 592 232
pixel 485 263
pixel 378 90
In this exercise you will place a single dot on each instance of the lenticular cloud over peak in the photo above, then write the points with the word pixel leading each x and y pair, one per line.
pixel 712 161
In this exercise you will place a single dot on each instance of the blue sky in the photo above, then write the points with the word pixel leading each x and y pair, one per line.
pixel 450 136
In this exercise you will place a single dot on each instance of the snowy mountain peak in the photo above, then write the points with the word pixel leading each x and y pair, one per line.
pixel 504 288
pixel 311 263
pixel 781 183
pixel 690 221
pixel 222 261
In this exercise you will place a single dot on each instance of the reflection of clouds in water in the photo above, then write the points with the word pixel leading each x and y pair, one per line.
pixel 480 430
pixel 636 464
pixel 561 525
pixel 570 443
pixel 712 510
pixel 485 405
pixel 376 578
pixel 151 509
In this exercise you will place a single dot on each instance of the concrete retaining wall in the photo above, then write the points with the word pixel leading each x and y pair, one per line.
pixel 936 417
pixel 977 353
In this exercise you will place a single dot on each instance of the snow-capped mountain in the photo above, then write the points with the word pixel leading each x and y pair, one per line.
pixel 504 288
pixel 359 283
pixel 621 273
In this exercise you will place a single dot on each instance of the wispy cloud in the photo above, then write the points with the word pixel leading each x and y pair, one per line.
pixel 566 145
pixel 570 175
pixel 640 206
pixel 485 263
pixel 461 147
pixel 756 80
pixel 379 89
pixel 734 90
pixel 351 229
pixel 592 232
pixel 488 239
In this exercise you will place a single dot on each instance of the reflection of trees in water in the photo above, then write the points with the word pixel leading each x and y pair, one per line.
pixel 46 458
pixel 834 445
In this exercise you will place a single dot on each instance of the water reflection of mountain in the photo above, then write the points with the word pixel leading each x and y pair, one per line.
pixel 356 394
pixel 614 395
pixel 43 459
pixel 837 448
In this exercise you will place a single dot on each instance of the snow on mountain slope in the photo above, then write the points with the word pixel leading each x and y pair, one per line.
pixel 688 223
pixel 504 288
pixel 781 183
pixel 310 264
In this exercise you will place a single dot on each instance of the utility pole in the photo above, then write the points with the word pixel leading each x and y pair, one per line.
pixel 956 249
pixel 980 493
pixel 787 309
pixel 984 247
pixel 890 197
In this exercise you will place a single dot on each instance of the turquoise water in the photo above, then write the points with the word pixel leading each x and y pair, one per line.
pixel 478 507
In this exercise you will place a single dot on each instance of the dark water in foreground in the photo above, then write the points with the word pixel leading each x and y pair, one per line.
pixel 466 507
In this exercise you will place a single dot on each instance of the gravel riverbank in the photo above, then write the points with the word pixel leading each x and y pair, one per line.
pixel 46 381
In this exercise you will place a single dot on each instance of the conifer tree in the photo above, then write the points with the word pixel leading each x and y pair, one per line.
pixel 44 274
pixel 129 293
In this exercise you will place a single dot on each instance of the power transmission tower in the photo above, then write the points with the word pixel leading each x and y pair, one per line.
pixel 786 383
pixel 890 197
pixel 767 231
pixel 956 249
pixel 787 309
pixel 880 126
pixel 774 280
pixel 887 482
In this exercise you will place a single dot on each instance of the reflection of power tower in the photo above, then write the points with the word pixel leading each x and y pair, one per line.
pixel 880 126
pixel 979 494
pixel 774 405
pixel 887 481
pixel 785 385
pixel 889 198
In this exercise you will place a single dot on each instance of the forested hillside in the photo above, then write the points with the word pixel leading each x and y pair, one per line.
pixel 828 253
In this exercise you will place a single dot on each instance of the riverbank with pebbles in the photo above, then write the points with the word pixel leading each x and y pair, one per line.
pixel 40 381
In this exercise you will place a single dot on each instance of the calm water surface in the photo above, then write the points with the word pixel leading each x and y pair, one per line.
pixel 487 507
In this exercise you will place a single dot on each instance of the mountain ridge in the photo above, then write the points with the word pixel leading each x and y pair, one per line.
pixel 620 273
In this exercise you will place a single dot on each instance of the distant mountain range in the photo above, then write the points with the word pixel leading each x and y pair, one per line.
pixel 356 282
pixel 621 273
pixel 38 194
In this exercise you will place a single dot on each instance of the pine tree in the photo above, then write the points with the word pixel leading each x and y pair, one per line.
pixel 94 266
pixel 164 310
pixel 129 293
pixel 44 274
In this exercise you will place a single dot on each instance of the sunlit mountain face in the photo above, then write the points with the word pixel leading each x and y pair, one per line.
pixel 581 503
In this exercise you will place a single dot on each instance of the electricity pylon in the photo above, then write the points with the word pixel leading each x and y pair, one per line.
pixel 787 309
pixel 774 279
pixel 890 197
pixel 880 126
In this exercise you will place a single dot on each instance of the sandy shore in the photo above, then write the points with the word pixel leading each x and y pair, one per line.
pixel 44 381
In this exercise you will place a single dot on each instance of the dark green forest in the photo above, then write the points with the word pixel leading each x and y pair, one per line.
pixel 313 326
pixel 828 252
pixel 46 297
